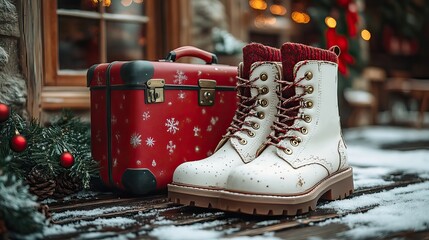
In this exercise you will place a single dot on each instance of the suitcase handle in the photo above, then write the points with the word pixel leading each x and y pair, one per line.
pixel 190 51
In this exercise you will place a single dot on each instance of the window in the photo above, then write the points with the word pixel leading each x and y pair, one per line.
pixel 80 33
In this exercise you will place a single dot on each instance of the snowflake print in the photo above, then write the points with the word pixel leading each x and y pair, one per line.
pixel 135 140
pixel 172 125
pixel 161 173
pixel 123 96
pixel 138 162
pixel 114 120
pixel 150 142
pixel 117 136
pixel 115 162
pixel 214 120
pixel 153 163
pixel 203 111
pixel 121 106
pixel 99 82
pixel 181 95
pixel 170 147
pixel 98 136
pixel 197 149
pixel 209 128
pixel 197 131
pixel 146 116
pixel 180 77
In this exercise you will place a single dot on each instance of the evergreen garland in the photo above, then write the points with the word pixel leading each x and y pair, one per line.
pixel 45 146
pixel 18 207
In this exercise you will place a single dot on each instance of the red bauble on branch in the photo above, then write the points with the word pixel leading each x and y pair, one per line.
pixel 66 160
pixel 18 143
pixel 4 112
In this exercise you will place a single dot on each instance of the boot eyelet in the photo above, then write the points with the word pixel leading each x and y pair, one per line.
pixel 295 142
pixel 304 130
pixel 306 118
pixel 288 151
pixel 260 115
pixel 308 75
pixel 308 104
pixel 255 126
pixel 263 76
pixel 309 89
pixel 263 102
pixel 243 141
pixel 264 90
pixel 250 133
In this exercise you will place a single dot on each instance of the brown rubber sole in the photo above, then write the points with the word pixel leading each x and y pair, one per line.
pixel 335 187
pixel 193 196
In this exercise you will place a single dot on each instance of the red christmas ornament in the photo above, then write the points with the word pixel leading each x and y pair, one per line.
pixel 18 143
pixel 4 112
pixel 66 160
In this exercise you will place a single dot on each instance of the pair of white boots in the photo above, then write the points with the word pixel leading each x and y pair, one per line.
pixel 284 149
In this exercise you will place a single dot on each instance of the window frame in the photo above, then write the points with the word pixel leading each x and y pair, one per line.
pixel 53 76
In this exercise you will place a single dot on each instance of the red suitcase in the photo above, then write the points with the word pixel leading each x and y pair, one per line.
pixel 149 117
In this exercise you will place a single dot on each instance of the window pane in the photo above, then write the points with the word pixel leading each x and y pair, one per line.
pixel 86 5
pixel 130 7
pixel 125 41
pixel 78 44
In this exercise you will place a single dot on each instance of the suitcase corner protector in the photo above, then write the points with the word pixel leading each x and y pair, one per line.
pixel 139 181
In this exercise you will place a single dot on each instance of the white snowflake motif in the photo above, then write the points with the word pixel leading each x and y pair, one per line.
pixel 121 106
pixel 153 163
pixel 180 77
pixel 172 125
pixel 181 95
pixel 123 96
pixel 99 82
pixel 214 120
pixel 209 128
pixel 146 115
pixel 117 136
pixel 150 142
pixel 114 120
pixel 197 149
pixel 138 162
pixel 171 147
pixel 197 131
pixel 136 140
pixel 203 111
pixel 115 162
pixel 161 173
pixel 118 151
pixel 98 136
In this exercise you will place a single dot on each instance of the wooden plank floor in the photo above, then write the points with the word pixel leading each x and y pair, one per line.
pixel 148 213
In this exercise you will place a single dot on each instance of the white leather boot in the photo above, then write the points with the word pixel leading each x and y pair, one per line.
pixel 199 183
pixel 305 157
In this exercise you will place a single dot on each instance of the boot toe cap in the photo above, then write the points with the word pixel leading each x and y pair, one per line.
pixel 274 178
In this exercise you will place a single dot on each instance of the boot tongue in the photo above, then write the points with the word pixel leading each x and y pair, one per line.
pixel 292 53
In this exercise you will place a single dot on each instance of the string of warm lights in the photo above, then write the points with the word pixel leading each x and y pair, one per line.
pixel 296 16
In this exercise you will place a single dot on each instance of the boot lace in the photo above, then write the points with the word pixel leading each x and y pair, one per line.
pixel 245 104
pixel 287 113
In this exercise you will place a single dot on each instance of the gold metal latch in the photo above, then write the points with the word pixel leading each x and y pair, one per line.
pixel 155 91
pixel 206 96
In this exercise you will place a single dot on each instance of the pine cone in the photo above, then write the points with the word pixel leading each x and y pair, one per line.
pixel 67 185
pixel 41 185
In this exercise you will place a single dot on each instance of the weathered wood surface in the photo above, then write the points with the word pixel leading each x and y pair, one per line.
pixel 154 211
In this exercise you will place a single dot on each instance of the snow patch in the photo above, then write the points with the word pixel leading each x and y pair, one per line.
pixel 399 209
